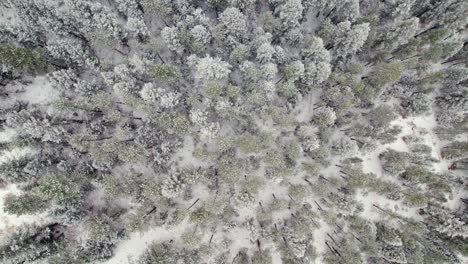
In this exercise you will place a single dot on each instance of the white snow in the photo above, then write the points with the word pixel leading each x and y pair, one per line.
pixel 454 202
pixel 14 154
pixel 7 135
pixel 138 242
pixel 320 237
pixel 40 91
pixel 184 155
pixel 8 16
pixel 371 213
pixel 240 239
pixel 305 108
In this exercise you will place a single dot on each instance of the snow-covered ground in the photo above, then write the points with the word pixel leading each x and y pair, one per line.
pixel 304 110
pixel 421 126
pixel 39 91
pixel 138 242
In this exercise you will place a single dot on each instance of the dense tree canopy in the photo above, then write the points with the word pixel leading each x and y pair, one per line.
pixel 233 131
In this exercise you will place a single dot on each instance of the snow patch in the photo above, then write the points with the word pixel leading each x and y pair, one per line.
pixel 139 242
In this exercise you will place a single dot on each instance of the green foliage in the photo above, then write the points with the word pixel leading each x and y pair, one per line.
pixel 298 192
pixel 279 116
pixel 455 150
pixel 158 7
pixel 22 60
pixel 372 19
pixel 253 184
pixel 233 91
pixel 105 153
pixel 111 186
pixel 13 170
pixel 288 89
pixel 434 77
pixel 321 156
pixel 365 231
pixel 269 22
pixel 174 123
pixel 28 244
pixel 418 174
pixel 358 179
pixel 408 50
pixel 214 89
pixel 340 98
pixel 200 216
pixel 311 168
pixel 394 162
pixel 416 199
pixel 275 159
pixel 132 153
pixel 23 204
pixel 381 116
pixel 262 257
pixel 240 53
pixel 66 256
pixel 151 189
pixel 166 73
pixel 387 188
pixel 434 53
pixel 57 187
pixel 97 250
pixel 356 68
pixel 256 98
pixel 230 169
pixel 191 238
pixel 434 35
pixel 387 73
pixel 102 228
pixel 459 244
pixel 66 105
pixel 102 101
pixel 254 144
pixel 327 31
pixel 292 151
pixel 293 71
pixel 348 250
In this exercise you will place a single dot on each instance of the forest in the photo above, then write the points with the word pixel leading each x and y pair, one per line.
pixel 233 131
